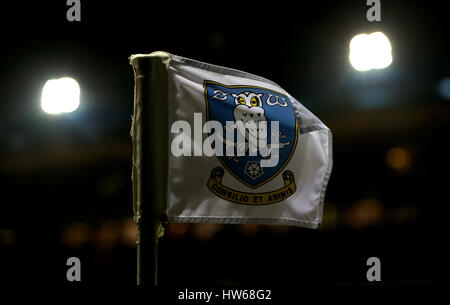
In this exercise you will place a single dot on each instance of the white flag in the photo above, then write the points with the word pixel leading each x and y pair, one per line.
pixel 214 175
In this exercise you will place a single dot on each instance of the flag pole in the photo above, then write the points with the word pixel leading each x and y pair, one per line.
pixel 149 160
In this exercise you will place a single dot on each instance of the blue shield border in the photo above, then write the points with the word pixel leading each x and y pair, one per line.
pixel 280 169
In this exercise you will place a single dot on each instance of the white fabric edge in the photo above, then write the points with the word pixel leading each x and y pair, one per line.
pixel 244 220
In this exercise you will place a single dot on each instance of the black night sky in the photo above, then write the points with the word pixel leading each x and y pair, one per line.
pixel 65 180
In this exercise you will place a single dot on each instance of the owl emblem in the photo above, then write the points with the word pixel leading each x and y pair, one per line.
pixel 249 109
pixel 259 130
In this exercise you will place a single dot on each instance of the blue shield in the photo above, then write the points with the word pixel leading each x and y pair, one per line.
pixel 224 103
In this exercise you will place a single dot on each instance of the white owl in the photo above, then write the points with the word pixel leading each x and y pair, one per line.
pixel 249 109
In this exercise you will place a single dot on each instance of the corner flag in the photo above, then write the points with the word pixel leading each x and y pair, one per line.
pixel 226 146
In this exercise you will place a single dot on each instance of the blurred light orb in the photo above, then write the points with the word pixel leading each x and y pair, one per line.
pixel 365 213
pixel 370 51
pixel 60 96
pixel 399 158
pixel 177 230
pixel 444 88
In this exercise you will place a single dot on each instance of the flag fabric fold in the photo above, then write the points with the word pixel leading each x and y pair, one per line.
pixel 284 185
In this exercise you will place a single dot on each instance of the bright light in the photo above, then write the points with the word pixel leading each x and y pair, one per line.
pixel 444 88
pixel 60 95
pixel 370 51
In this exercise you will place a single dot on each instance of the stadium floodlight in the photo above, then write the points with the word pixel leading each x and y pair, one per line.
pixel 370 51
pixel 60 96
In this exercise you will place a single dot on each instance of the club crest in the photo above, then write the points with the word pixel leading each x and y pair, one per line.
pixel 250 104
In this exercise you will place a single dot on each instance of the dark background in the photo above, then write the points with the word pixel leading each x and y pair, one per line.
pixel 65 180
